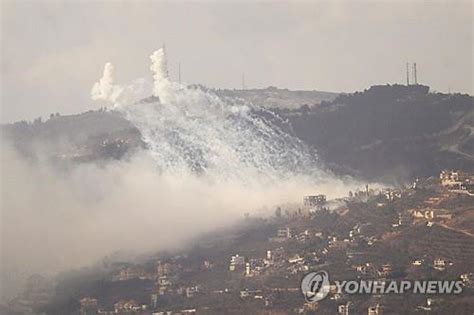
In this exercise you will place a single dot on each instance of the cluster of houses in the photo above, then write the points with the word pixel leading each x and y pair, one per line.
pixel 458 181
pixel 345 309
pixel 278 258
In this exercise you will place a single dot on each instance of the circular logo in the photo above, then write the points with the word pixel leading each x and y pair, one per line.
pixel 315 286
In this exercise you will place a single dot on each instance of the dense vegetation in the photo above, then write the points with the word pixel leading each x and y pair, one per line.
pixel 390 132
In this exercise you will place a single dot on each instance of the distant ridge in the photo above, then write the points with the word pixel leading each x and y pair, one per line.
pixel 273 97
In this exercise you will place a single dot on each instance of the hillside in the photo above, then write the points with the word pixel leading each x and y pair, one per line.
pixel 358 240
pixel 387 133
pixel 390 132
pixel 87 136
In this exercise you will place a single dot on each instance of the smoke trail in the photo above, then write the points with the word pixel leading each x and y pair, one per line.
pixel 105 89
pixel 159 65
pixel 163 88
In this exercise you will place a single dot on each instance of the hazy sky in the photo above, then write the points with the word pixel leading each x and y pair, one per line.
pixel 53 51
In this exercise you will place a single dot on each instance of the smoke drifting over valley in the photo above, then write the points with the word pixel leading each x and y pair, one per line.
pixel 206 157
pixel 208 161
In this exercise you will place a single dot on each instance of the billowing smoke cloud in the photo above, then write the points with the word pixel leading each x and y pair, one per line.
pixel 163 87
pixel 54 219
pixel 159 65
pixel 207 162
pixel 105 89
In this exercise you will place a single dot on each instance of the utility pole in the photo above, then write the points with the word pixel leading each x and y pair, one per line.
pixel 414 73
pixel 408 73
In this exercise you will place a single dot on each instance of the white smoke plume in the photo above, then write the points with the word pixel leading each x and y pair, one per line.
pixel 77 217
pixel 208 161
pixel 191 131
pixel 159 65
pixel 105 89
pixel 163 87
